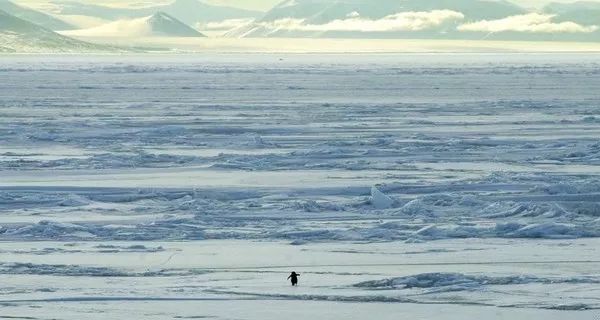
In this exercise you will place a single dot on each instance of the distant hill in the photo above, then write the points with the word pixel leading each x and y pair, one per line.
pixel 581 12
pixel 33 16
pixel 158 24
pixel 318 12
pixel 425 19
pixel 188 11
pixel 18 35
pixel 360 19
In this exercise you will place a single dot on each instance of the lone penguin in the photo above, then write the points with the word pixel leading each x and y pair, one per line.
pixel 294 277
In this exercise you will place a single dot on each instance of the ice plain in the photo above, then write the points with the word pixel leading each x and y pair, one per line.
pixel 445 186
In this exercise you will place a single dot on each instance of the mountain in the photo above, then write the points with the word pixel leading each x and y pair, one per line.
pixel 577 21
pixel 425 19
pixel 166 25
pixel 18 35
pixel 34 16
pixel 188 11
pixel 343 18
pixel 158 24
pixel 581 12
pixel 321 11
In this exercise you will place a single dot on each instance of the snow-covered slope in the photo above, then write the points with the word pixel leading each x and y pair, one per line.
pixel 158 24
pixel 34 16
pixel 18 35
pixel 188 11
pixel 425 19
pixel 360 18
pixel 320 11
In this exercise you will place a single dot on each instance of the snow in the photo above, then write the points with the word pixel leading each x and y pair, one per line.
pixel 21 36
pixel 380 200
pixel 459 282
pixel 394 186
pixel 458 276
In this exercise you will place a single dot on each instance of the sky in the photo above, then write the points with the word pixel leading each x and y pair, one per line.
pixel 262 5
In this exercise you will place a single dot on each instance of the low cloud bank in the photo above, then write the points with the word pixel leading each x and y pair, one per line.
pixel 532 23
pixel 403 21
pixel 224 25
pixel 120 28
pixel 413 21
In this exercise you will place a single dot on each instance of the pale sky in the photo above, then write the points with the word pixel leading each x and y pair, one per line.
pixel 262 5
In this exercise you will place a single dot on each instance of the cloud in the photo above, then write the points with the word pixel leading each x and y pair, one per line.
pixel 82 21
pixel 223 25
pixel 120 28
pixel 403 21
pixel 532 22
pixel 353 14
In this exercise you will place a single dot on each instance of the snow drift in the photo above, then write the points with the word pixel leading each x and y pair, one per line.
pixel 459 282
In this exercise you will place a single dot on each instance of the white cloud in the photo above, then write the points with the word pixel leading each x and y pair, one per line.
pixel 532 22
pixel 353 14
pixel 121 28
pixel 223 25
pixel 82 21
pixel 403 21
